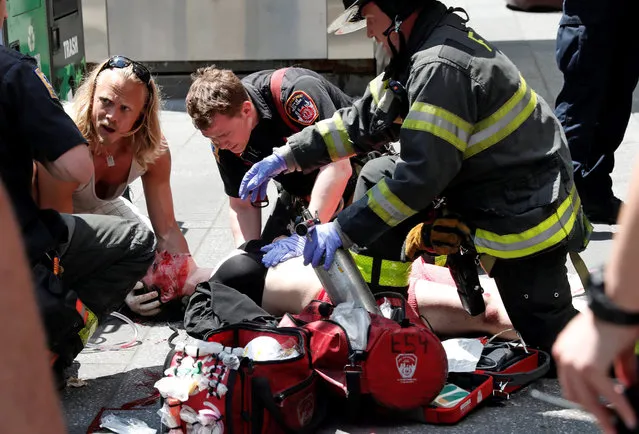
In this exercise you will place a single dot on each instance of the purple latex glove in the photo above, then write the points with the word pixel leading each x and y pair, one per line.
pixel 324 241
pixel 256 179
pixel 283 250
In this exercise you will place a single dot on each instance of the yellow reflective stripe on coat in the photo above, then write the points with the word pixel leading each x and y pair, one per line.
pixel 504 121
pixel 387 205
pixel 441 260
pixel 376 87
pixel 440 123
pixel 546 234
pixel 89 319
pixel 336 137
pixel 392 273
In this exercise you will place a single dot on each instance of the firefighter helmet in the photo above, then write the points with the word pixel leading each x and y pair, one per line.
pixel 351 19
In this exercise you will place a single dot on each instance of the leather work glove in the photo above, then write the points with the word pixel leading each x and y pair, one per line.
pixel 146 304
pixel 443 236
pixel 256 179
pixel 323 243
pixel 283 250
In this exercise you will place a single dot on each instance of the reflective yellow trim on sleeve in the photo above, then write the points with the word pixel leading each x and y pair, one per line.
pixel 504 121
pixel 441 260
pixel 376 87
pixel 392 273
pixel 440 123
pixel 387 206
pixel 335 136
pixel 546 234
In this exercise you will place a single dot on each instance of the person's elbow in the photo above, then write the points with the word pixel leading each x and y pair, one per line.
pixel 75 165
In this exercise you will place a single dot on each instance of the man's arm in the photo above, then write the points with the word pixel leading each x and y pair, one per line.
pixel 74 166
pixel 21 331
pixel 246 220
pixel 332 178
pixel 587 347
pixel 349 131
pixel 430 157
pixel 53 193
pixel 622 273
pixel 53 136
pixel 159 200
pixel 328 189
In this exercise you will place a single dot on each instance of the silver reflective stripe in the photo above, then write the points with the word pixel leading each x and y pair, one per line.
pixel 387 205
pixel 504 121
pixel 440 123
pixel 335 136
pixel 561 224
pixel 376 86
pixel 385 102
pixel 500 124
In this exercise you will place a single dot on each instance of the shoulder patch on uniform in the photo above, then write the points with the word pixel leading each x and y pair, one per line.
pixel 46 83
pixel 457 52
pixel 301 108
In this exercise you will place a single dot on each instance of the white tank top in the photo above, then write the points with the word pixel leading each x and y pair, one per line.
pixel 86 201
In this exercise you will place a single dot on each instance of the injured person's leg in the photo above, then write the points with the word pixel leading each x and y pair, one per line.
pixel 439 304
pixel 290 286
pixel 434 293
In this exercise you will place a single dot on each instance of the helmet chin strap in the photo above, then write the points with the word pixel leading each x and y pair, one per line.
pixel 397 53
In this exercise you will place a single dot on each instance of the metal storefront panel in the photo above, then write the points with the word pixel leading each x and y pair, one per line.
pixel 191 30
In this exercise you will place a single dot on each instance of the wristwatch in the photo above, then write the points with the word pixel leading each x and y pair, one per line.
pixel 602 307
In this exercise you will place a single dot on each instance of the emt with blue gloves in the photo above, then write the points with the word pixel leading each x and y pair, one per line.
pixel 245 120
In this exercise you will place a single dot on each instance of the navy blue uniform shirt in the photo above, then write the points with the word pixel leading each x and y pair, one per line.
pixel 307 97
pixel 33 126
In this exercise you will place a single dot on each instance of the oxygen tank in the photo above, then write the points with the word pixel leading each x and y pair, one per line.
pixel 342 281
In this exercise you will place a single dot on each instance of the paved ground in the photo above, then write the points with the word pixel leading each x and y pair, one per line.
pixel 116 377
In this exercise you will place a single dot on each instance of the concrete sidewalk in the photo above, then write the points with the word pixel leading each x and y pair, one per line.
pixel 117 377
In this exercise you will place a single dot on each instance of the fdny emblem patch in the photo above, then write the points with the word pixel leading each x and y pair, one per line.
pixel 46 83
pixel 301 108
pixel 406 366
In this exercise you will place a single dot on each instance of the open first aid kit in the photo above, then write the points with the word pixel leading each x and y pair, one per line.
pixel 501 368
pixel 512 365
pixel 264 376
pixel 247 378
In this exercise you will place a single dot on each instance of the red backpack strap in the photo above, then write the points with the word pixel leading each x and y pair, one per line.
pixel 276 90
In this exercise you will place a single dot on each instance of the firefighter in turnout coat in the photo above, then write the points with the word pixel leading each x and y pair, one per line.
pixel 471 130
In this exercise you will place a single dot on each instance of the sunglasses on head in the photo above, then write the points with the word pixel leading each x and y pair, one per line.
pixel 121 62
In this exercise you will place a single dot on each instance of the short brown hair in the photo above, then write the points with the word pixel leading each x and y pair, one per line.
pixel 214 91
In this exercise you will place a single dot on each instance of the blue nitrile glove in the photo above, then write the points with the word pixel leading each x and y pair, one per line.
pixel 283 250
pixel 324 241
pixel 257 177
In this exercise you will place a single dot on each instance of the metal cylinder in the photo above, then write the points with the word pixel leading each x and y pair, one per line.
pixel 343 282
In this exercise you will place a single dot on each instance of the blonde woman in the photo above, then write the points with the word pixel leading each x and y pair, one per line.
pixel 117 109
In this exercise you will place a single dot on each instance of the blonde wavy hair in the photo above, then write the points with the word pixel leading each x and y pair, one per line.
pixel 147 139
